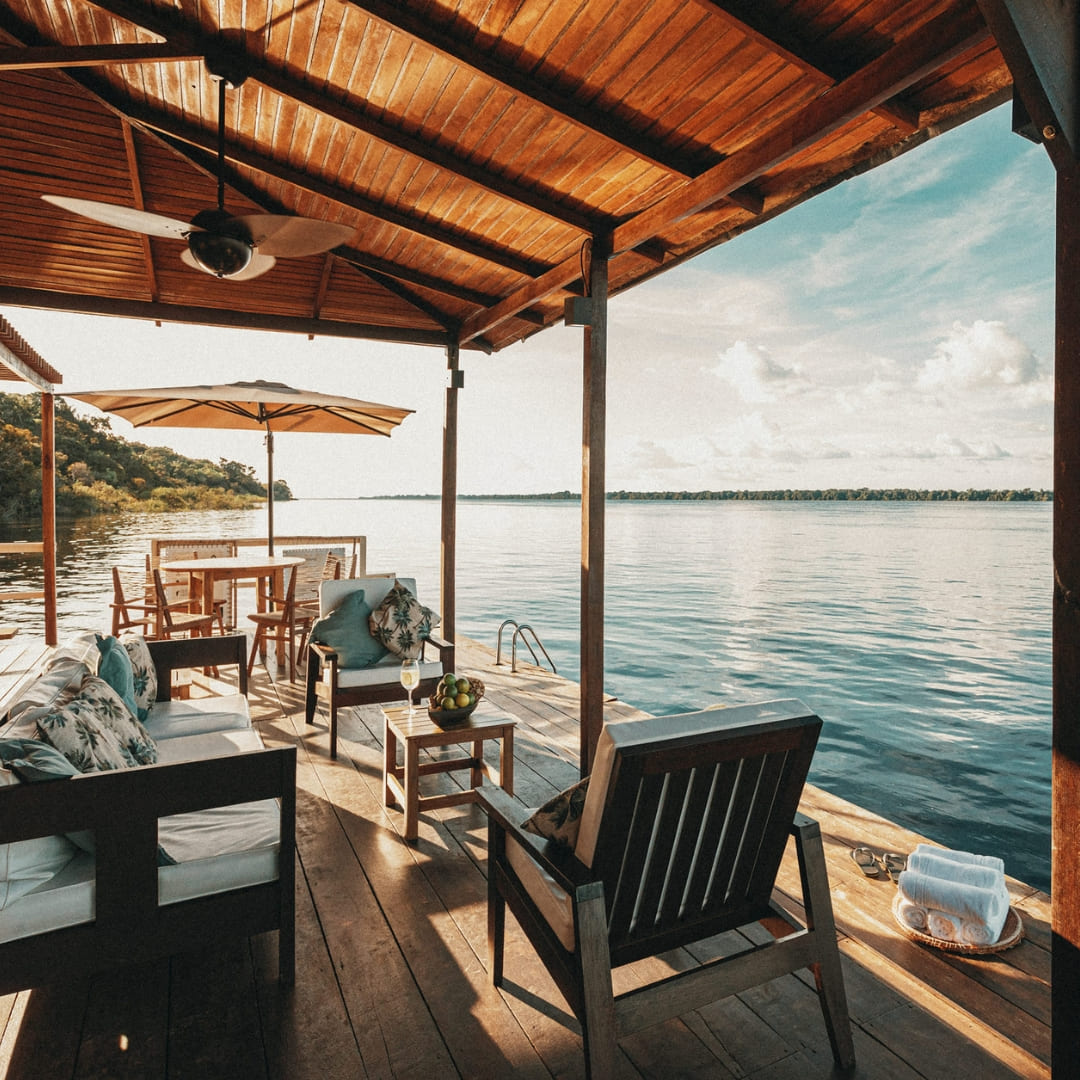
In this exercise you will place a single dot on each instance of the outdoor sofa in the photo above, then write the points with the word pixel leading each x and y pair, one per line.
pixel 140 862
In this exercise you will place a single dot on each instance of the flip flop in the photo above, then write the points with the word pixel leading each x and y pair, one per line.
pixel 895 864
pixel 866 861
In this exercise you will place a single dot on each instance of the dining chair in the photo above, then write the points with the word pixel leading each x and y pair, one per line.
pixel 128 613
pixel 179 618
pixel 680 837
pixel 285 621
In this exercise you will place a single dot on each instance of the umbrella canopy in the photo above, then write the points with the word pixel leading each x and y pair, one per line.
pixel 256 406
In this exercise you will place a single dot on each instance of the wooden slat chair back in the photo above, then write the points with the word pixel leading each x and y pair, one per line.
pixel 177 586
pixel 173 618
pixel 285 621
pixel 683 830
pixel 311 572
pixel 130 611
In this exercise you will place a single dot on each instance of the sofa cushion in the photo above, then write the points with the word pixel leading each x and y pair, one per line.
pixel 559 818
pixel 401 623
pixel 33 760
pixel 197 716
pixel 385 671
pixel 347 630
pixel 94 730
pixel 144 674
pixel 115 668
pixel 58 684
pixel 26 864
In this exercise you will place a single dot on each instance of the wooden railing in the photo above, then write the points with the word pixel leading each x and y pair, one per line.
pixel 28 547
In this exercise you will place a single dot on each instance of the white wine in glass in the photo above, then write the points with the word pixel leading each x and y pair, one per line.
pixel 410 678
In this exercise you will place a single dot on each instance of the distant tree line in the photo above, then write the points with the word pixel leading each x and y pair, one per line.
pixel 789 495
pixel 97 471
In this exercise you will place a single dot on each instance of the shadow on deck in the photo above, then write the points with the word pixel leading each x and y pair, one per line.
pixel 391 953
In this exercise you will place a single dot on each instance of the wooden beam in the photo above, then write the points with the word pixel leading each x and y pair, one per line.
pixel 1040 41
pixel 1065 827
pixel 140 204
pixel 48 512
pixel 906 63
pixel 593 492
pixel 43 57
pixel 178 313
pixel 448 552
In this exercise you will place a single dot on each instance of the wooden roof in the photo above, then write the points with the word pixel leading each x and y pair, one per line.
pixel 21 362
pixel 475 146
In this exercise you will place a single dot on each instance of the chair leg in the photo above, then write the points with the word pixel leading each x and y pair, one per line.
pixel 598 1028
pixel 496 920
pixel 255 649
pixel 311 700
pixel 333 725
pixel 828 974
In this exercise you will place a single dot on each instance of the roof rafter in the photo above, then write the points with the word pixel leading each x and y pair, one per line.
pixel 300 92
pixel 899 67
pixel 42 57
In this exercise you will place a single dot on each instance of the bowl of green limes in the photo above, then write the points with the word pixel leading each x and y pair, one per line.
pixel 455 699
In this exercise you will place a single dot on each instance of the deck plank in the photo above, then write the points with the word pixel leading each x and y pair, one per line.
pixel 391 950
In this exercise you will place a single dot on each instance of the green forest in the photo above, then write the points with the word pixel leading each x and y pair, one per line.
pixel 99 472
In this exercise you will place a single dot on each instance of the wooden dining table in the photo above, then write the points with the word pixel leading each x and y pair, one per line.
pixel 205 573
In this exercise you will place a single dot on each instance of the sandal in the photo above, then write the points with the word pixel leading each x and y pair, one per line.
pixel 866 861
pixel 895 864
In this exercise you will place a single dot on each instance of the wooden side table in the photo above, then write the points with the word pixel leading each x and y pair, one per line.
pixel 401 783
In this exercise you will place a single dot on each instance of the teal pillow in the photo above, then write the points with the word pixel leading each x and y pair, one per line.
pixel 115 668
pixel 32 759
pixel 347 632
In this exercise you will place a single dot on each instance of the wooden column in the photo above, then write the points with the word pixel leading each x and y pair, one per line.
pixel 48 512
pixel 593 491
pixel 1065 885
pixel 448 558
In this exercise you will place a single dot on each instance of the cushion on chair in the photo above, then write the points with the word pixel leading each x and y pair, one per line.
pixel 347 631
pixel 559 818
pixel 401 623
pixel 385 671
pixel 115 668
pixel 144 674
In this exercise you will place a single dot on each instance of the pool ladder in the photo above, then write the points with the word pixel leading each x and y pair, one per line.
pixel 520 630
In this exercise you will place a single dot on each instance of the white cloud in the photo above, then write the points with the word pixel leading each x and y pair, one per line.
pixel 754 374
pixel 984 354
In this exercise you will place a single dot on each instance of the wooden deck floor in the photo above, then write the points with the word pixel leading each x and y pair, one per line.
pixel 391 954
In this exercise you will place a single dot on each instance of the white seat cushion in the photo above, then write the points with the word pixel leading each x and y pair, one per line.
pixel 384 671
pixel 197 716
pixel 210 744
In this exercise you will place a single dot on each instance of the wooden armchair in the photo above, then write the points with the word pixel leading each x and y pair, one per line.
pixel 341 686
pixel 179 617
pixel 684 825
pixel 129 613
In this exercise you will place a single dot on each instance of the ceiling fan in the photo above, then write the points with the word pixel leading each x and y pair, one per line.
pixel 235 247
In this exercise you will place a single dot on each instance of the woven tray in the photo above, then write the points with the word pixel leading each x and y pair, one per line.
pixel 1011 934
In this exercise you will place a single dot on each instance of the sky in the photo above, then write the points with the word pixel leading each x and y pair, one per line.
pixel 896 331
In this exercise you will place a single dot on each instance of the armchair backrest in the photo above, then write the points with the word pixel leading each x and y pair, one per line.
pixel 334 590
pixel 687 817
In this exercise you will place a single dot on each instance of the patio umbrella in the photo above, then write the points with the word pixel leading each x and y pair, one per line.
pixel 258 405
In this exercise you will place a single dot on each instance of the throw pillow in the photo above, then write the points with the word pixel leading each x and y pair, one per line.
pixel 560 817
pixel 113 714
pixel 347 630
pixel 26 864
pixel 79 733
pixel 143 672
pixel 401 623
pixel 115 668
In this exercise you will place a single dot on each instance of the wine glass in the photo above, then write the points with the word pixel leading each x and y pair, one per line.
pixel 410 678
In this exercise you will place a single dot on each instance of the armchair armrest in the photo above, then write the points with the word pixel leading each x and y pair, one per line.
pixel 504 814
pixel 199 652
pixel 446 650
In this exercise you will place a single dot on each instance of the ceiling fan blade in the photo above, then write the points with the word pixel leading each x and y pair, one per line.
pixel 123 217
pixel 259 265
pixel 294 237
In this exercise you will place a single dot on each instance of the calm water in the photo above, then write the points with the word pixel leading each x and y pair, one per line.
pixel 919 632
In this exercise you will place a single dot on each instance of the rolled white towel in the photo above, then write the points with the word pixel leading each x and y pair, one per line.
pixel 943 925
pixel 984 908
pixel 913 915
pixel 964 873
pixel 955 856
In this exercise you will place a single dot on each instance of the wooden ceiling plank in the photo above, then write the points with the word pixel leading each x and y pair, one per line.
pixel 485 63
pixel 911 59
pixel 38 58
pixel 289 87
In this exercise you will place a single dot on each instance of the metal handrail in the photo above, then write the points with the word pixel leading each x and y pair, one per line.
pixel 519 632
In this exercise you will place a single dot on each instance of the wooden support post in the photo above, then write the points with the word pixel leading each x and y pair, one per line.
pixel 48 512
pixel 448 559
pixel 1065 885
pixel 593 491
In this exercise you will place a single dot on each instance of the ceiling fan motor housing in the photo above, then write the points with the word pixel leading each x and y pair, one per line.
pixel 219 243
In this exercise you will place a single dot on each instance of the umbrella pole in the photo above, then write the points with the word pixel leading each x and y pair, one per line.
pixel 269 489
